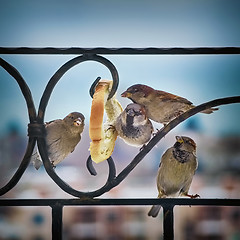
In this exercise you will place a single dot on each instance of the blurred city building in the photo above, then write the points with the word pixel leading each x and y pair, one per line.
pixel 217 177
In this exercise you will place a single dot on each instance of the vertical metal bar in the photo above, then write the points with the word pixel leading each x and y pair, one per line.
pixel 57 221
pixel 168 222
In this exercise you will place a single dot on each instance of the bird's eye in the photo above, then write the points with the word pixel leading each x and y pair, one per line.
pixel 134 90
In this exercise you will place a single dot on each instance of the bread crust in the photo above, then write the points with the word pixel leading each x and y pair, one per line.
pixel 103 136
pixel 97 112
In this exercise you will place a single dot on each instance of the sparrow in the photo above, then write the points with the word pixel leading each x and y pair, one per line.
pixel 62 136
pixel 160 106
pixel 177 167
pixel 133 126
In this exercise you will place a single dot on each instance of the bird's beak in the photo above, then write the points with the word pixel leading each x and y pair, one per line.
pixel 77 122
pixel 126 94
pixel 179 139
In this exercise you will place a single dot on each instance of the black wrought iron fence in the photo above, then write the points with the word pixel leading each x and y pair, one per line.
pixel 36 134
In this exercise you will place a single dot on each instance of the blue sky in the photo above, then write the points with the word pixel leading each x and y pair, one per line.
pixel 120 24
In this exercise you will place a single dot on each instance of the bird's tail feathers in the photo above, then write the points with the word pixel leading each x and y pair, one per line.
pixel 36 160
pixel 154 211
pixel 210 110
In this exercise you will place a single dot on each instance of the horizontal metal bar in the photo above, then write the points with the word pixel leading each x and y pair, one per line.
pixel 119 201
pixel 119 51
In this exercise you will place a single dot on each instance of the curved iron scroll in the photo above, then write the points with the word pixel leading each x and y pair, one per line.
pixel 36 130
pixel 32 116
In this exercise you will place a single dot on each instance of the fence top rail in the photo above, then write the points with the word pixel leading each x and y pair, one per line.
pixel 121 201
pixel 122 51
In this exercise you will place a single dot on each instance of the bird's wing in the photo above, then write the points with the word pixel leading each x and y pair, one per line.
pixel 168 154
pixel 54 134
pixel 164 96
pixel 57 121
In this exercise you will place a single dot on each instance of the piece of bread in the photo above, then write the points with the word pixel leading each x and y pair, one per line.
pixel 103 136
